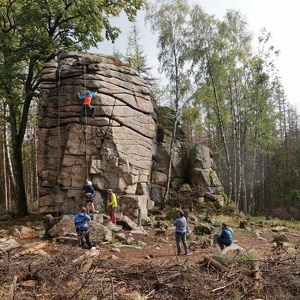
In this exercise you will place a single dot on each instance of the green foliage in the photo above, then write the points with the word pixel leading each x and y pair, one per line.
pixel 165 117
pixel 117 55
pixel 168 21
pixel 185 187
pixel 246 258
pixel 294 197
pixel 137 244
pixel 33 206
pixel 239 296
pixel 135 54
pixel 159 94
pixel 258 220
pixel 224 260
pixel 210 207
pixel 216 223
pixel 34 32
pixel 247 230
pixel 225 197
pixel 212 175
pixel 211 200
pixel 113 241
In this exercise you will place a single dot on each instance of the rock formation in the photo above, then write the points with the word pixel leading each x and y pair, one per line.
pixel 113 149
pixel 121 147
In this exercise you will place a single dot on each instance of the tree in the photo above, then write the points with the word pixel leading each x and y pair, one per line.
pixel 168 21
pixel 135 54
pixel 34 32
pixel 215 52
pixel 234 97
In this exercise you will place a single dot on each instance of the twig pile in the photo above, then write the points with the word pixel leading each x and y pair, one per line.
pixel 72 275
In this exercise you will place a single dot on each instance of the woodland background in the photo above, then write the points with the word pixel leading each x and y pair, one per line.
pixel 223 88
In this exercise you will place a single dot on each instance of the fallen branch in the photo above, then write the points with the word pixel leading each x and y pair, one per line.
pixel 222 287
pixel 291 233
pixel 216 264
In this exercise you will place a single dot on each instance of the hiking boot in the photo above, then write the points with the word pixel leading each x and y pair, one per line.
pixel 188 253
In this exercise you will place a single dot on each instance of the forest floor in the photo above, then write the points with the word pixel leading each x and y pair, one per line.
pixel 50 270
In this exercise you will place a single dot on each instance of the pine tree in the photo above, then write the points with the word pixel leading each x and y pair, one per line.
pixel 135 53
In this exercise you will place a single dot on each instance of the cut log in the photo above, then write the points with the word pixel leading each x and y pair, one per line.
pixel 32 248
pixel 214 263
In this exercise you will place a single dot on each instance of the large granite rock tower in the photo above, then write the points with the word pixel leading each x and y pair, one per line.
pixel 114 149
pixel 120 147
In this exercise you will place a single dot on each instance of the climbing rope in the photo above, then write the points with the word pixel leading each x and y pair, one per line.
pixel 85 135
pixel 86 117
pixel 84 78
pixel 58 133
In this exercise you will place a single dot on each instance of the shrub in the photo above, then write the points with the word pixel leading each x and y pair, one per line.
pixel 216 223
pixel 293 197
pixel 246 258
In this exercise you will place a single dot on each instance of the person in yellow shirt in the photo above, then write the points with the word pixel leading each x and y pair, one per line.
pixel 112 204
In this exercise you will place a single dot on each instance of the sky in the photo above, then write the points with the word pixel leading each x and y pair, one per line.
pixel 280 18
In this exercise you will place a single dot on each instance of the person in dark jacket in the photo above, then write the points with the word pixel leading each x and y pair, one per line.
pixel 180 233
pixel 224 238
pixel 89 195
pixel 81 220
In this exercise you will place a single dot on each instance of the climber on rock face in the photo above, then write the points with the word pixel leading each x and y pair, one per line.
pixel 87 99
pixel 89 195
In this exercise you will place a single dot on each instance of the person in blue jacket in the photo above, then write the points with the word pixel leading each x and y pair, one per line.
pixel 180 233
pixel 87 99
pixel 81 220
pixel 225 237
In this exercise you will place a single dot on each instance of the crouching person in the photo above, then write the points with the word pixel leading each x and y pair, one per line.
pixel 81 223
pixel 224 238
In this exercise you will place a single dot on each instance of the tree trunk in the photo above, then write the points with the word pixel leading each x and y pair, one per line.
pixel 223 135
pixel 170 164
pixel 17 141
pixel 20 194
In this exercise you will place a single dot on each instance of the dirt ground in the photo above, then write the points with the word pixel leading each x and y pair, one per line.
pixel 265 270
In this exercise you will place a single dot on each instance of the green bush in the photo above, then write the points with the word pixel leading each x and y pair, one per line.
pixel 224 260
pixel 293 197
pixel 216 223
pixel 246 258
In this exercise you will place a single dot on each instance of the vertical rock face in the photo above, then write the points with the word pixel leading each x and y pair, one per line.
pixel 200 170
pixel 160 165
pixel 114 148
